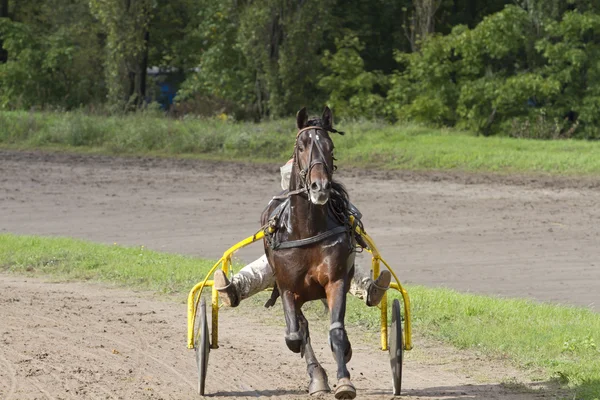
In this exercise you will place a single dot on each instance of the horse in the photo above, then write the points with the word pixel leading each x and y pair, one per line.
pixel 312 249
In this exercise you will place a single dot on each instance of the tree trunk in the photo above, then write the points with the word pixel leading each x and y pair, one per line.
pixel 143 69
pixel 422 22
pixel 136 76
pixel 3 14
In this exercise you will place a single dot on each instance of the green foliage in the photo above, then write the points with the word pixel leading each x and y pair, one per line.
pixel 223 72
pixel 125 24
pixel 353 92
pixel 424 91
pixel 526 68
pixel 574 62
pixel 259 55
pixel 174 40
pixel 53 62
pixel 516 68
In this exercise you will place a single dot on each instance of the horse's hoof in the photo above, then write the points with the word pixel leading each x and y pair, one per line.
pixel 345 389
pixel 318 382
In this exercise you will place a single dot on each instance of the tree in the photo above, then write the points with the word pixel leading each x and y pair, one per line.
pixel 54 59
pixel 282 41
pixel 3 14
pixel 353 91
pixel 126 25
pixel 421 22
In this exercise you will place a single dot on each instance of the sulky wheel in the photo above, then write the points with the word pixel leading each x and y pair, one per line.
pixel 396 345
pixel 202 346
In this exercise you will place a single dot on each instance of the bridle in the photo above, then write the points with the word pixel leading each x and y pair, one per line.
pixel 272 225
pixel 315 142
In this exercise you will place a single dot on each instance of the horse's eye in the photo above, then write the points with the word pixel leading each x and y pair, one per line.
pixel 300 147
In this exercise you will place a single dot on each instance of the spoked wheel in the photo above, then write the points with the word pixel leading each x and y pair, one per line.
pixel 202 346
pixel 396 344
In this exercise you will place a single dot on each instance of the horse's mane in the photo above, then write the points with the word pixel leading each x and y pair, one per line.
pixel 339 201
pixel 315 121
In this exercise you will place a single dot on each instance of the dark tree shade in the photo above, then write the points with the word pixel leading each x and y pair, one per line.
pixel 3 14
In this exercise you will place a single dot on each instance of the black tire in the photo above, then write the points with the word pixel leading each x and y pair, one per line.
pixel 396 347
pixel 202 346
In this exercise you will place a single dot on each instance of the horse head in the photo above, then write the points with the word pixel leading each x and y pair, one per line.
pixel 313 156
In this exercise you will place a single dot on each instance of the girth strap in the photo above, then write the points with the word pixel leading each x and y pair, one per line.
pixel 314 239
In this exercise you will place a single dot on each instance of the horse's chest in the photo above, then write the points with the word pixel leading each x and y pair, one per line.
pixel 319 264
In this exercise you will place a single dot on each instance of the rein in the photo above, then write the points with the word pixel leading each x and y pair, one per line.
pixel 290 244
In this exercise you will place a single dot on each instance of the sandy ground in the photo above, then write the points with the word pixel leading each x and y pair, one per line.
pixel 83 341
pixel 512 236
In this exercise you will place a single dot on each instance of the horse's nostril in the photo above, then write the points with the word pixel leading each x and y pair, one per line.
pixel 314 186
pixel 327 185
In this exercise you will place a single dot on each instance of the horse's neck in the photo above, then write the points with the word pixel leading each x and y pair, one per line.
pixel 307 219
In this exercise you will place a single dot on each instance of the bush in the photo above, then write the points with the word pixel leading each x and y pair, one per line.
pixel 353 92
pixel 516 72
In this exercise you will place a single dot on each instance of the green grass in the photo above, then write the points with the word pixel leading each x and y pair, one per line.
pixel 366 144
pixel 69 259
pixel 560 341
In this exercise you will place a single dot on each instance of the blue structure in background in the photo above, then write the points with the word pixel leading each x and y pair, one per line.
pixel 167 95
pixel 163 86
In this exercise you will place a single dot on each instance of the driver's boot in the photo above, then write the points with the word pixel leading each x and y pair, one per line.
pixel 227 291
pixel 378 287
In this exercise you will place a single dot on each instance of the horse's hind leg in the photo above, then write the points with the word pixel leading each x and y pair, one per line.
pixel 293 336
pixel 318 377
pixel 340 345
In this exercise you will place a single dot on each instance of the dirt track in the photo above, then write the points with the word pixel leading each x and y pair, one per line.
pixel 513 236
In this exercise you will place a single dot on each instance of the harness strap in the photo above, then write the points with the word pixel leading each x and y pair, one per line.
pixel 290 193
pixel 314 239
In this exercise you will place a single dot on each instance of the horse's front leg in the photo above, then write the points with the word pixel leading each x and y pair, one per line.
pixel 318 376
pixel 340 345
pixel 293 336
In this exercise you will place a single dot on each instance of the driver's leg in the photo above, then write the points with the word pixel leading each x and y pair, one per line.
pixel 372 291
pixel 258 276
pixel 253 278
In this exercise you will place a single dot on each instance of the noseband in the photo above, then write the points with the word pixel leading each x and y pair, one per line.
pixel 314 142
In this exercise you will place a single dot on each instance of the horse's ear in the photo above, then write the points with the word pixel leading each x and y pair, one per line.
pixel 327 119
pixel 302 118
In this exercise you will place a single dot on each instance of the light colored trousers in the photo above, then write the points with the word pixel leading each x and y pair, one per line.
pixel 258 276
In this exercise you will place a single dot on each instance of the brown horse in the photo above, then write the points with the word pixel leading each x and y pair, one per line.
pixel 312 249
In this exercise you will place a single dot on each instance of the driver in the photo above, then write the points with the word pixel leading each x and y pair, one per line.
pixel 258 275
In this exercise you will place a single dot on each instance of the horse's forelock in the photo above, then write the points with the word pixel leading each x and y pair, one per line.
pixel 315 122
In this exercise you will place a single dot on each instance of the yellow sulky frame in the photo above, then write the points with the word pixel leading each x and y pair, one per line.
pixel 225 263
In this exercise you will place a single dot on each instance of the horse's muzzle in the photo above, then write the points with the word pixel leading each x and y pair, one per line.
pixel 319 192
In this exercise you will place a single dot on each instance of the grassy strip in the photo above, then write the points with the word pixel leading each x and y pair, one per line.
pixel 69 259
pixel 562 341
pixel 367 144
